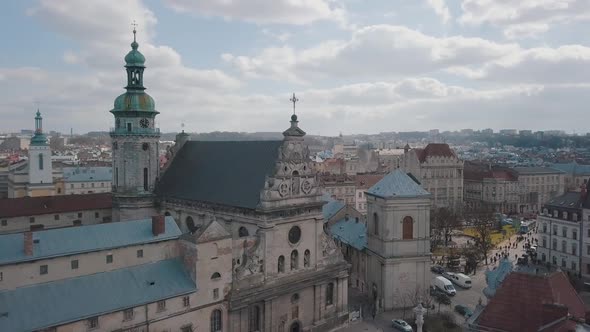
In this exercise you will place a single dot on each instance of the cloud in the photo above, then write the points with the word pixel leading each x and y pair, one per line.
pixel 542 65
pixel 523 18
pixel 440 9
pixel 379 51
pixel 298 12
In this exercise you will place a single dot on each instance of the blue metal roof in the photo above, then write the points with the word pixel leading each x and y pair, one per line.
pixel 350 232
pixel 73 240
pixel 397 184
pixel 85 174
pixel 59 302
pixel 331 208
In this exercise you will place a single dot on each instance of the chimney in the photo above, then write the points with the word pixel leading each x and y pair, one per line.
pixel 28 243
pixel 158 225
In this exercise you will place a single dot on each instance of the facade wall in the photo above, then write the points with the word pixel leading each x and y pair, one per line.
pixel 537 189
pixel 554 233
pixel 585 246
pixel 397 272
pixel 28 273
pixel 440 176
pixel 343 192
pixel 48 221
pixel 86 187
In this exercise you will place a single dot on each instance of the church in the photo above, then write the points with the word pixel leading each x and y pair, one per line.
pixel 286 273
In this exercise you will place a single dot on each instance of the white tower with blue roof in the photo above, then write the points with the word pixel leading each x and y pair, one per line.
pixel 398 231
pixel 40 169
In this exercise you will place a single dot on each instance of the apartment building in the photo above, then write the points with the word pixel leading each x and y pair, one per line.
pixel 340 187
pixel 489 186
pixel 439 171
pixel 362 183
pixel 537 185
pixel 86 180
pixel 560 228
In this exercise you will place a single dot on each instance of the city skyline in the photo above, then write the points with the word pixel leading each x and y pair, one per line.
pixel 356 68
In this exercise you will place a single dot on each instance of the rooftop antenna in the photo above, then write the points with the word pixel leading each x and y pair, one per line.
pixel 294 100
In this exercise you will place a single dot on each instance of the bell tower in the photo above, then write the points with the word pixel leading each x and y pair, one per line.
pixel 40 169
pixel 135 144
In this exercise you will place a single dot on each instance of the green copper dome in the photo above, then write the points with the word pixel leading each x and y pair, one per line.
pixel 134 101
pixel 134 57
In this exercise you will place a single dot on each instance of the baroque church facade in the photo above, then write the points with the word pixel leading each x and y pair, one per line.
pixel 286 274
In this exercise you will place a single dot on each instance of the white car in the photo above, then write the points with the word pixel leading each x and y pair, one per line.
pixel 401 325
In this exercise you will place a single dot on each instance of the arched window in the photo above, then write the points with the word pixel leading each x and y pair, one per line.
pixel 40 161
pixel 281 264
pixel 254 319
pixel 294 260
pixel 306 258
pixel 216 321
pixel 330 294
pixel 190 224
pixel 145 179
pixel 408 228
pixel 215 276
pixel 375 224
pixel 294 298
pixel 243 232
pixel 295 327
pixel 167 214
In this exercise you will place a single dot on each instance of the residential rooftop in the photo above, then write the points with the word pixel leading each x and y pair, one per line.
pixel 537 170
pixel 87 174
pixel 55 303
pixel 32 206
pixel 350 231
pixel 75 240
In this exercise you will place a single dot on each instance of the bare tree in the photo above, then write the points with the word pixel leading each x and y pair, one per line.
pixel 443 222
pixel 483 221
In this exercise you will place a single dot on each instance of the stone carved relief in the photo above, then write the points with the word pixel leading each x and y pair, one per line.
pixel 252 260
pixel 328 245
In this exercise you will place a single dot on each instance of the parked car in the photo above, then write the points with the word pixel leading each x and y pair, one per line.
pixel 437 269
pixel 461 280
pixel 447 274
pixel 401 325
pixel 444 285
pixel 439 295
pixel 463 310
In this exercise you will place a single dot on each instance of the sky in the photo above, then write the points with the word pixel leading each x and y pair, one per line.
pixel 357 66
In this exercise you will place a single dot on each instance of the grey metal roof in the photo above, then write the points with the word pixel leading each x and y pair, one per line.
pixel 54 303
pixel 85 174
pixel 572 168
pixel 350 232
pixel 537 170
pixel 397 184
pixel 73 240
pixel 331 208
pixel 226 173
pixel 571 200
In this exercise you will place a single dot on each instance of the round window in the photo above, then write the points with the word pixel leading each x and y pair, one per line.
pixel 294 234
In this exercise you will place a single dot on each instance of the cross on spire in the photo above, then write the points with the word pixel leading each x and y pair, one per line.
pixel 294 100
pixel 134 25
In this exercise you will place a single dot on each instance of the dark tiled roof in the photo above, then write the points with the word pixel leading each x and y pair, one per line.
pixel 526 302
pixel 572 200
pixel 434 150
pixel 31 206
pixel 226 173
pixel 366 181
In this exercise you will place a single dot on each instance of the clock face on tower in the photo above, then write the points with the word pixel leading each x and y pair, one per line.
pixel 144 123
